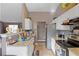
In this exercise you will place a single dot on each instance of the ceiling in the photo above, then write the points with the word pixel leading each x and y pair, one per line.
pixel 42 7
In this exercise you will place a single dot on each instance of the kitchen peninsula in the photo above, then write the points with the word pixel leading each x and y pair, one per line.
pixel 16 48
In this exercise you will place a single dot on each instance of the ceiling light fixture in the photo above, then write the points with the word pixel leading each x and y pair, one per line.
pixel 52 10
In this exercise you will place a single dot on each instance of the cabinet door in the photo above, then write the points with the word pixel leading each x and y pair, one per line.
pixel 51 33
pixel 16 51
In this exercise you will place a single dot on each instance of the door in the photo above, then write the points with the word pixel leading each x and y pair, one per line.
pixel 41 31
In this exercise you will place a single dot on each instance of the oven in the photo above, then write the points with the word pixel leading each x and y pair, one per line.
pixel 60 51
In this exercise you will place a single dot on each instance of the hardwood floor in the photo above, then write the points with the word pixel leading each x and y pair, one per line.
pixel 42 50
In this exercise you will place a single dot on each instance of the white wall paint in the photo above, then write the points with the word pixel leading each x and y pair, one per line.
pixel 11 12
pixel 40 16
pixel 0 11
pixel 70 14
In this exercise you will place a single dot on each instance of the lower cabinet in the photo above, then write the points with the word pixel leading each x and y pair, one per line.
pixel 53 45
pixel 60 51
pixel 19 50
pixel 71 53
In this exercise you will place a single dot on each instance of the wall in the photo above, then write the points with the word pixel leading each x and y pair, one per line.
pixel 0 11
pixel 25 11
pixel 25 14
pixel 11 12
pixel 40 16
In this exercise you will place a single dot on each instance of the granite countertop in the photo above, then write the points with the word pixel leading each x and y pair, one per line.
pixel 63 44
pixel 70 43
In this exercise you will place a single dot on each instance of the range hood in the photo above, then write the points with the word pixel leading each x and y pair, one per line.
pixel 77 27
pixel 71 21
pixel 74 21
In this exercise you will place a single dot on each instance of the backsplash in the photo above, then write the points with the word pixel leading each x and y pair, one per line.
pixel 63 32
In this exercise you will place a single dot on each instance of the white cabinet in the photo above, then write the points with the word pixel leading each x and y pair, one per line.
pixel 19 50
pixel 28 24
pixel 71 53
pixel 62 27
pixel 16 50
pixel 51 33
pixel 53 45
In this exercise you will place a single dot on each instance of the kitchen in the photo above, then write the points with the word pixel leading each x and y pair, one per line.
pixel 52 29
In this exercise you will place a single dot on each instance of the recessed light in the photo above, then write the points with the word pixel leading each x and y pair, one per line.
pixel 52 10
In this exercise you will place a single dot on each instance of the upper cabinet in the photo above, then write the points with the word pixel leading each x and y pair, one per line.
pixel 70 14
pixel 25 11
pixel 67 6
pixel 62 8
pixel 74 21
pixel 28 24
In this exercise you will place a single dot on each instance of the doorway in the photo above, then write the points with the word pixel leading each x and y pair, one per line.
pixel 41 32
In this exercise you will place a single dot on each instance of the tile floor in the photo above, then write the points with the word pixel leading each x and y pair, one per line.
pixel 43 51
